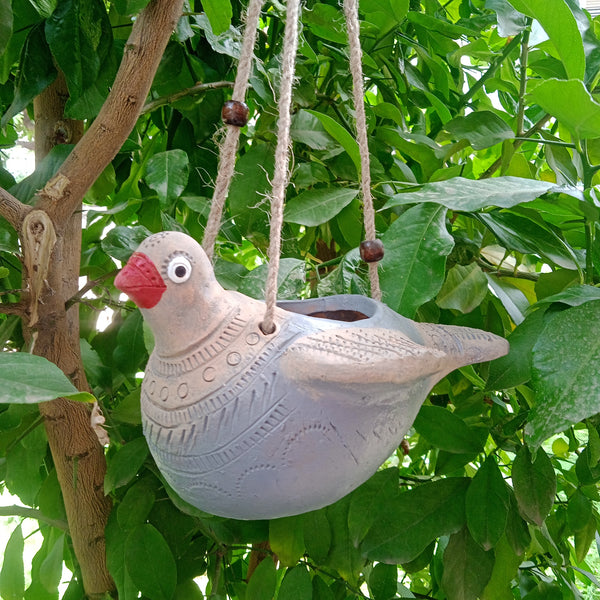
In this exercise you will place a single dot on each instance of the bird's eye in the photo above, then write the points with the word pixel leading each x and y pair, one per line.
pixel 179 269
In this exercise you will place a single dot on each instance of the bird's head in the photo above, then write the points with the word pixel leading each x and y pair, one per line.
pixel 169 268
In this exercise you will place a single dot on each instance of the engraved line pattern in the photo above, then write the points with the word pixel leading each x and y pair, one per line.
pixel 204 354
pixel 208 405
pixel 212 461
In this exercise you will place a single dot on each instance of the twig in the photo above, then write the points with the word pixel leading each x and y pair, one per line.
pixel 494 64
pixel 13 210
pixel 90 285
pixel 14 308
pixel 199 88
pixel 518 143
pixel 32 513
pixel 523 77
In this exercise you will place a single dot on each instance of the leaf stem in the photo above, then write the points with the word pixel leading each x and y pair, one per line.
pixel 32 513
pixel 494 64
pixel 523 77
pixel 199 88
pixel 517 144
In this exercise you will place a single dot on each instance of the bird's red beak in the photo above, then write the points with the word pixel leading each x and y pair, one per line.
pixel 141 281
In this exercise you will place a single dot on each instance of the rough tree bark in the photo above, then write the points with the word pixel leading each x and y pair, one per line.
pixel 50 234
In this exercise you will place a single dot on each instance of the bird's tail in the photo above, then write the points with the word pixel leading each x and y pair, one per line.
pixel 463 345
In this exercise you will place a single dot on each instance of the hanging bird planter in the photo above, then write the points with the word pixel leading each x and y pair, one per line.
pixel 256 410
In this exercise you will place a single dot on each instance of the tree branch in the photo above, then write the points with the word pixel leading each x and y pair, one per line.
pixel 31 513
pixel 150 33
pixel 199 88
pixel 517 144
pixel 13 210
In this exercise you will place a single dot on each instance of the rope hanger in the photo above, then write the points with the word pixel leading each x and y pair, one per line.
pixel 235 115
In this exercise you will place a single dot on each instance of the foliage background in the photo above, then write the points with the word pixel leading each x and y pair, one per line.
pixel 485 150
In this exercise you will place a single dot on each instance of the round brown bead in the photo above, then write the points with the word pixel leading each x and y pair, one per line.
pixel 235 113
pixel 371 250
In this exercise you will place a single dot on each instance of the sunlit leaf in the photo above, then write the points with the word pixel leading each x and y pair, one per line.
pixel 12 575
pixel 468 195
pixel 317 206
pixel 560 25
pixel 572 104
pixel 28 379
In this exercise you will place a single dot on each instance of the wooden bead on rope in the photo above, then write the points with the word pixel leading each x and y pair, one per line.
pixel 235 113
pixel 371 250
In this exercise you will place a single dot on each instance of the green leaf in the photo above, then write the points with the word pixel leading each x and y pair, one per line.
pixel 317 534
pixel 327 22
pixel 12 575
pixel 28 379
pixel 124 464
pixel 369 500
pixel 560 25
pixel 464 289
pixel 52 566
pixel 150 563
pixel 263 582
pixel 527 236
pixel 309 130
pixel 415 518
pixel 136 505
pixel 506 568
pixel 6 24
pixel 286 537
pixel 167 174
pixel 515 368
pixel 487 505
pixel 482 129
pixel 116 538
pixel 534 483
pixel 510 21
pixel 383 581
pixel 467 567
pixel 413 268
pixel 469 195
pixel 291 279
pixel 121 242
pixel 130 349
pixel 249 188
pixel 36 73
pixel 79 34
pixel 317 206
pixel 572 104
pixel 219 13
pixel 130 7
pixel 566 381
pixel 340 134
pixel 445 430
pixel 296 585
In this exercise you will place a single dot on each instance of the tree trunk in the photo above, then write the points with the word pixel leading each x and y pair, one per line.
pixel 78 456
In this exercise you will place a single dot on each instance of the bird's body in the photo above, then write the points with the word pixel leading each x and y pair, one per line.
pixel 248 425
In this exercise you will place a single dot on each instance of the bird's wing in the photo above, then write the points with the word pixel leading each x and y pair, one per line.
pixel 359 355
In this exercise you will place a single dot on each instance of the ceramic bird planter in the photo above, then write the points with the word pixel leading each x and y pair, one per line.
pixel 251 426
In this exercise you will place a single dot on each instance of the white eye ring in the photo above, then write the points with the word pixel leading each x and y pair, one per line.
pixel 179 269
